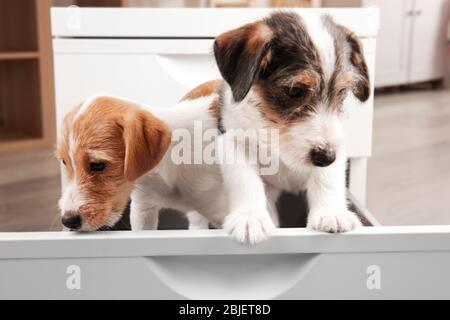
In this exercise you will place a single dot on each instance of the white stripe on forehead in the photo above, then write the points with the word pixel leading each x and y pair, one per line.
pixel 86 104
pixel 71 151
pixel 323 41
pixel 83 108
pixel 72 143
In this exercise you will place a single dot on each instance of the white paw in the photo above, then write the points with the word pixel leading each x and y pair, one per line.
pixel 333 222
pixel 246 226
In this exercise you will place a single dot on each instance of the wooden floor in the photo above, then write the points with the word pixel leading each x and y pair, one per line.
pixel 408 179
pixel 29 189
pixel 409 172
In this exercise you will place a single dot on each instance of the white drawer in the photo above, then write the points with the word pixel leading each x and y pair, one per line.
pixel 159 72
pixel 371 263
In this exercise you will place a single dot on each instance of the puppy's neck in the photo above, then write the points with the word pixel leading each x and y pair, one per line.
pixel 240 115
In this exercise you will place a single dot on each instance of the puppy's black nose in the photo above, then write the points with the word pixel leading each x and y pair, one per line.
pixel 72 221
pixel 322 157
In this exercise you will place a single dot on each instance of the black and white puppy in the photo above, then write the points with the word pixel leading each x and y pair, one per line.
pixel 292 73
pixel 288 73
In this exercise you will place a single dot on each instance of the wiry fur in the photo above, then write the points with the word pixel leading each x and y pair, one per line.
pixel 258 62
pixel 261 63
pixel 323 62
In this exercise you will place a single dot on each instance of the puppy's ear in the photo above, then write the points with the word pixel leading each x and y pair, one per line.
pixel 146 141
pixel 239 54
pixel 361 87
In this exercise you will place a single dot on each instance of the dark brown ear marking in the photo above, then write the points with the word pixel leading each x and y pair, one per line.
pixel 239 55
pixel 361 88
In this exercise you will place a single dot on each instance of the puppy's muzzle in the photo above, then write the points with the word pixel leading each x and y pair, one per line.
pixel 322 157
pixel 72 220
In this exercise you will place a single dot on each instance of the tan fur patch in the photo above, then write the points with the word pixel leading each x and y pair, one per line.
pixel 266 60
pixel 203 90
pixel 342 83
pixel 215 108
pixel 267 112
pixel 259 34
pixel 263 31
pixel 307 78
pixel 283 123
pixel 361 87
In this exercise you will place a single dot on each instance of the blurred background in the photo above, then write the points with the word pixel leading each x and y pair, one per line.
pixel 409 173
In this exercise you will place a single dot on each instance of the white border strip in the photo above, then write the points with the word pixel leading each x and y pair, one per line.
pixel 216 242
pixel 166 22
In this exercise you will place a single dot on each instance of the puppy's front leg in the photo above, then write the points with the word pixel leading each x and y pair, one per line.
pixel 327 201
pixel 197 221
pixel 143 215
pixel 249 219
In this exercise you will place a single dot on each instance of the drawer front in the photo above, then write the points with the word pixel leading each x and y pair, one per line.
pixel 376 275
pixel 160 72
pixel 374 262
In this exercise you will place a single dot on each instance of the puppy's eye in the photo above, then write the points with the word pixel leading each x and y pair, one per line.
pixel 342 92
pixel 63 162
pixel 295 92
pixel 97 166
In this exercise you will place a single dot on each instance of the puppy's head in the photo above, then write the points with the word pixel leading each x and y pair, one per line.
pixel 106 144
pixel 296 71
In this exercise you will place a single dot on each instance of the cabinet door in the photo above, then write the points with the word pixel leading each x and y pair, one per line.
pixel 392 41
pixel 428 40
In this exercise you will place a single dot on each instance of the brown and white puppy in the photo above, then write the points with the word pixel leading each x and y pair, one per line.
pixel 105 146
pixel 291 73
